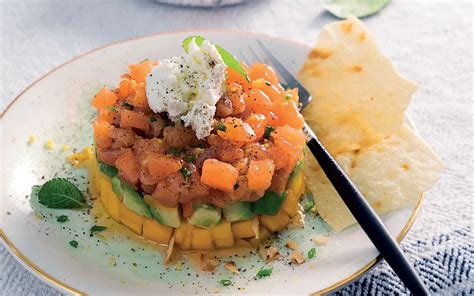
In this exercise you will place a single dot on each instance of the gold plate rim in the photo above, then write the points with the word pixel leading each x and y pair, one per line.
pixel 54 282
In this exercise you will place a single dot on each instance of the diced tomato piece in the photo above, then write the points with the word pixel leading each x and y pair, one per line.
pixel 104 98
pixel 139 99
pixel 260 174
pixel 219 175
pixel 129 119
pixel 234 129
pixel 102 130
pixel 128 167
pixel 161 166
pixel 257 101
pixel 261 70
pixel 138 72
pixel 107 115
pixel 288 139
pixel 287 113
pixel 258 123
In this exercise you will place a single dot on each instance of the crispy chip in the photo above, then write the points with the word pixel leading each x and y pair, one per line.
pixel 357 112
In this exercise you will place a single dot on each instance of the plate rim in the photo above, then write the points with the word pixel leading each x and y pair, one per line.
pixel 56 283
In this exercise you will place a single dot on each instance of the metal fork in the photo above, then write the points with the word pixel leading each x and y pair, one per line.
pixel 355 201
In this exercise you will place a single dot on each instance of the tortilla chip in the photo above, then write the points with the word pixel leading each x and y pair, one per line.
pixel 357 113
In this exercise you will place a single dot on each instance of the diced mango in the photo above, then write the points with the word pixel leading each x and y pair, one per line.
pixel 187 242
pixel 224 242
pixel 297 183
pixel 242 243
pixel 243 229
pixel 131 219
pixel 202 239
pixel 263 235
pixel 275 223
pixel 156 232
pixel 184 235
pixel 222 231
pixel 290 204
pixel 113 206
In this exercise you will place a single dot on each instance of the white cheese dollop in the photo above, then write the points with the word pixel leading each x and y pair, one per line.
pixel 188 87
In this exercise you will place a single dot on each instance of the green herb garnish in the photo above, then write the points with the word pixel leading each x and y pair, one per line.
pixel 62 219
pixel 225 283
pixel 308 205
pixel 97 228
pixel 221 127
pixel 268 130
pixel 173 151
pixel 268 82
pixel 152 119
pixel 284 85
pixel 311 253
pixel 109 170
pixel 360 8
pixel 61 194
pixel 236 186
pixel 264 272
pixel 127 105
pixel 73 243
pixel 270 203
pixel 185 172
pixel 111 108
pixel 228 58
pixel 288 97
pixel 190 158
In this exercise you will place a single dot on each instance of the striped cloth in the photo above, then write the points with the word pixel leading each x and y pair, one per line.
pixel 429 42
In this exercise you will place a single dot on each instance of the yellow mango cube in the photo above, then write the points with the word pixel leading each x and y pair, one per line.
pixel 222 231
pixel 224 242
pixel 131 219
pixel 184 235
pixel 243 229
pixel 290 204
pixel 297 183
pixel 187 242
pixel 275 223
pixel 202 239
pixel 156 232
pixel 113 206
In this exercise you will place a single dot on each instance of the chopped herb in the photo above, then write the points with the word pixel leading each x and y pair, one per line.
pixel 311 253
pixel 308 205
pixel 97 228
pixel 190 158
pixel 236 186
pixel 264 272
pixel 225 283
pixel 109 170
pixel 61 194
pixel 152 119
pixel 185 172
pixel 284 85
pixel 62 219
pixel 268 130
pixel 288 97
pixel 73 243
pixel 127 105
pixel 268 82
pixel 221 127
pixel 111 108
pixel 173 151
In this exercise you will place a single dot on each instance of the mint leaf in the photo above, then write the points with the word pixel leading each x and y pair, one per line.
pixel 198 39
pixel 360 8
pixel 226 56
pixel 270 203
pixel 97 228
pixel 231 62
pixel 264 272
pixel 61 194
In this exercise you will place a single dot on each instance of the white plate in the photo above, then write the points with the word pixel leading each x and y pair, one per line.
pixel 57 107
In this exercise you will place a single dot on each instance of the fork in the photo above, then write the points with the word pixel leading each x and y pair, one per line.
pixel 352 197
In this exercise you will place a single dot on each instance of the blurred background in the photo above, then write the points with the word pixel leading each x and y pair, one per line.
pixel 428 41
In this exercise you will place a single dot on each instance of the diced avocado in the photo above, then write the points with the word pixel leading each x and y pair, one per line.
pixel 109 170
pixel 117 186
pixel 134 201
pixel 205 216
pixel 238 211
pixel 269 204
pixel 169 216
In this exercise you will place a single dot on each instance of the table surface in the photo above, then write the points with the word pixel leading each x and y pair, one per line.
pixel 430 42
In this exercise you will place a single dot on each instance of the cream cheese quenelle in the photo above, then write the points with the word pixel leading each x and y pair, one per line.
pixel 188 87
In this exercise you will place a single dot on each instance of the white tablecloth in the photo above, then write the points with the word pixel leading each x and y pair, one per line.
pixel 430 42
